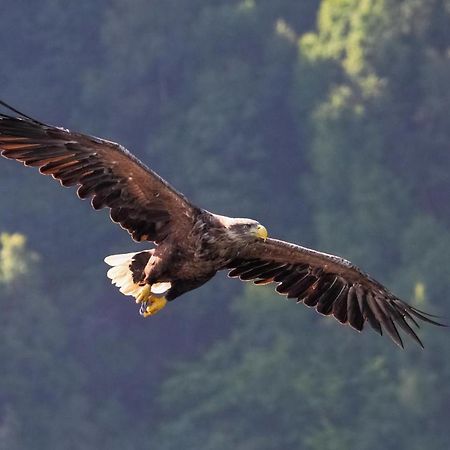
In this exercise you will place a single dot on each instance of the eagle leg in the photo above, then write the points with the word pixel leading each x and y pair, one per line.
pixel 144 294
pixel 152 298
pixel 152 290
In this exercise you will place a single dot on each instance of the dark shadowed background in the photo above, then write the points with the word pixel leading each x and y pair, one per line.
pixel 329 122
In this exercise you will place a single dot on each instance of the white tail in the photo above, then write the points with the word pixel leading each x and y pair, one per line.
pixel 122 277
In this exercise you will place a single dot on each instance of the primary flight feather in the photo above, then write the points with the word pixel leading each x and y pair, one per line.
pixel 192 244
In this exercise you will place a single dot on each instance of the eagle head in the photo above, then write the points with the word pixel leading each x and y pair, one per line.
pixel 247 229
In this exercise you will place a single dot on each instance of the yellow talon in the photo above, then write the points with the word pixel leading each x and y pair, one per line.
pixel 145 294
pixel 156 304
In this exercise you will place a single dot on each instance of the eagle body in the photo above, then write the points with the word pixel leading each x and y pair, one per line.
pixel 187 263
pixel 191 244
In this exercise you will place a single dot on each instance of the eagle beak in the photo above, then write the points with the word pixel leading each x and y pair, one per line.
pixel 261 232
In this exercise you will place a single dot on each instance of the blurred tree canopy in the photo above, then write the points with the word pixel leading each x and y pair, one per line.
pixel 325 120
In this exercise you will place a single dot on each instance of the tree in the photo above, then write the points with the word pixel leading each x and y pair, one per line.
pixel 334 137
pixel 283 379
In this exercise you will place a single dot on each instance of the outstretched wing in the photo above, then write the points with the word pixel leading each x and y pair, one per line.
pixel 140 200
pixel 331 285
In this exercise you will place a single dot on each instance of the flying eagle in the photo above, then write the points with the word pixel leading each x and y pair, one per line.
pixel 192 244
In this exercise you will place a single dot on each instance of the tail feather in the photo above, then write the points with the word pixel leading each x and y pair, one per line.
pixel 127 273
pixel 122 272
pixel 116 260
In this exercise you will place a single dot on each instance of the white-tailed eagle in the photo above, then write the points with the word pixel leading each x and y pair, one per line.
pixel 192 244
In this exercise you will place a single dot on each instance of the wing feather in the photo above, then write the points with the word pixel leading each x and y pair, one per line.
pixel 140 200
pixel 331 285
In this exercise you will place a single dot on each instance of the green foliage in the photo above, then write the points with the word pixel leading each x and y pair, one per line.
pixel 13 260
pixel 31 379
pixel 334 136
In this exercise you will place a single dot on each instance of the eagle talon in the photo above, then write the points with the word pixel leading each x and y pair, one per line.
pixel 152 302
pixel 143 308
pixel 145 294
pixel 153 305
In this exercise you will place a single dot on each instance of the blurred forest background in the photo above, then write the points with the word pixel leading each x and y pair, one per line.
pixel 327 121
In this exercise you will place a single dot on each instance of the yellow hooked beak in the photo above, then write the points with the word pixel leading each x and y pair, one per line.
pixel 261 232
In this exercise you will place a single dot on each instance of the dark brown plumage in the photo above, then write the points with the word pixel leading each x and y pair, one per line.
pixel 331 285
pixel 140 200
pixel 192 243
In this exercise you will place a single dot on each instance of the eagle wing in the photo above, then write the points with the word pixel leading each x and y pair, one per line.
pixel 140 200
pixel 331 285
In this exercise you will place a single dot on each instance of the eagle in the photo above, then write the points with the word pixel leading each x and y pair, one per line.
pixel 191 244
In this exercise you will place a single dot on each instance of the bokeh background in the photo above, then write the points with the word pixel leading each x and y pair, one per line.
pixel 329 122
